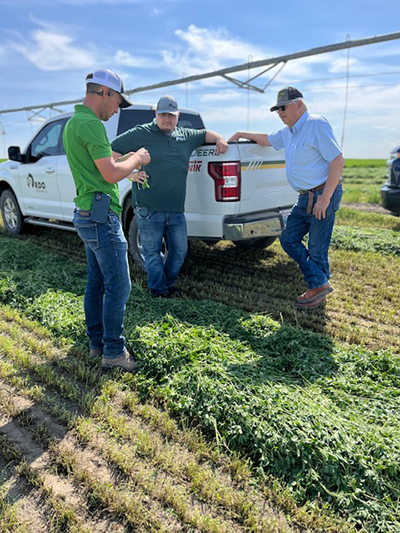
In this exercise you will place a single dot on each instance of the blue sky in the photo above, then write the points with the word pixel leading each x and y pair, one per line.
pixel 48 46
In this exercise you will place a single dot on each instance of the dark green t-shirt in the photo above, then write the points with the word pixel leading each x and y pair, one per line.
pixel 168 168
pixel 85 140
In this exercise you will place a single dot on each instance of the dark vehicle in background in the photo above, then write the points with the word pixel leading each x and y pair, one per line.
pixel 390 192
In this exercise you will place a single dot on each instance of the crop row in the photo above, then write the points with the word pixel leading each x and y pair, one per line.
pixel 108 424
pixel 321 418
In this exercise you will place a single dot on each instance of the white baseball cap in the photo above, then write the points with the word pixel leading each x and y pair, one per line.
pixel 112 81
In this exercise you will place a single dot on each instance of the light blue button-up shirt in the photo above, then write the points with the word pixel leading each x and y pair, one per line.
pixel 310 147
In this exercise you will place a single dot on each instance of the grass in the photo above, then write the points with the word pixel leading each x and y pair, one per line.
pixel 367 240
pixel 154 462
pixel 361 163
pixel 362 184
pixel 351 217
pixel 307 401
pixel 9 521
pixel 298 413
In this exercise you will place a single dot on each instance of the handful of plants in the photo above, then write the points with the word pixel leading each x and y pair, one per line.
pixel 145 184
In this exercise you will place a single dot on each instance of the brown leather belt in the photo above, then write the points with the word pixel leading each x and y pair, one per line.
pixel 310 193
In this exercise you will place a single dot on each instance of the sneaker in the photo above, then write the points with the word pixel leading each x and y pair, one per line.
pixel 124 361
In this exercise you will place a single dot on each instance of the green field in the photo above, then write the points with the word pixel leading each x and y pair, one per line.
pixel 361 163
pixel 362 184
pixel 245 413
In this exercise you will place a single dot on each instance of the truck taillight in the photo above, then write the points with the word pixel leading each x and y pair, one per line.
pixel 226 176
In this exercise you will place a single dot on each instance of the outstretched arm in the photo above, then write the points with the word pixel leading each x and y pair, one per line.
pixel 213 137
pixel 259 138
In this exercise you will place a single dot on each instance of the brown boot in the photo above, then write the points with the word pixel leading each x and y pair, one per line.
pixel 311 294
pixel 314 304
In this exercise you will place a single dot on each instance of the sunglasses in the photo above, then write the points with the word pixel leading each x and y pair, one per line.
pixel 283 107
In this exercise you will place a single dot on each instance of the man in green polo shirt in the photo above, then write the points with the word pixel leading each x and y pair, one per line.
pixel 96 175
pixel 159 208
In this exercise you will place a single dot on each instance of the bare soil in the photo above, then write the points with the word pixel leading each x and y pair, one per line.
pixel 370 208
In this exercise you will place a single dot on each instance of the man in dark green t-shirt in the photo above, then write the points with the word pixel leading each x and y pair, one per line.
pixel 96 175
pixel 159 207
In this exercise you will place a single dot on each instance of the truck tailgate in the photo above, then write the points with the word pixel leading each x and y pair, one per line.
pixel 264 183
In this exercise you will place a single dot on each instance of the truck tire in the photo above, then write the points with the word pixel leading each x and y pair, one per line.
pixel 255 244
pixel 136 250
pixel 11 213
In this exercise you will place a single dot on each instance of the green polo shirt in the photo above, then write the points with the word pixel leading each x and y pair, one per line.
pixel 168 168
pixel 85 140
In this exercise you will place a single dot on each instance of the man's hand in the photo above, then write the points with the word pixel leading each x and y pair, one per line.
pixel 222 146
pixel 320 207
pixel 259 138
pixel 144 156
pixel 139 176
pixel 235 137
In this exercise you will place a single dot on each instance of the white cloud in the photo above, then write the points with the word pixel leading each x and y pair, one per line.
pixel 156 12
pixel 127 60
pixel 206 50
pixel 340 65
pixel 50 50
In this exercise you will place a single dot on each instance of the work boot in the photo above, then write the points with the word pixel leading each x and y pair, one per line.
pixel 314 304
pixel 312 294
pixel 124 361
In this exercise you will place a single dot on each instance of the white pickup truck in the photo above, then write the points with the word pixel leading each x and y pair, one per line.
pixel 242 196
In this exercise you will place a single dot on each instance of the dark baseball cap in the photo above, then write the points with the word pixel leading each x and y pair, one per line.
pixel 285 96
pixel 167 104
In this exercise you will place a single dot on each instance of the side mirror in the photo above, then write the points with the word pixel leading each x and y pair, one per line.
pixel 14 153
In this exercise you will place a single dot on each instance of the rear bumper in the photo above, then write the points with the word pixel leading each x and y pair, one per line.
pixel 391 198
pixel 255 225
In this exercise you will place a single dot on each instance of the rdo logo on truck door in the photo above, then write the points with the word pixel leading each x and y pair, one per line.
pixel 32 184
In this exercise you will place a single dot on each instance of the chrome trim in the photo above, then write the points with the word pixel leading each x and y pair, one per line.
pixel 270 227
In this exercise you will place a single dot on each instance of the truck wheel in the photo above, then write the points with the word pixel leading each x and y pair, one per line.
pixel 136 249
pixel 11 213
pixel 255 244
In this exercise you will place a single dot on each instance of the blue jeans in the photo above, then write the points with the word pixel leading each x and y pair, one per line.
pixel 108 282
pixel 313 262
pixel 153 227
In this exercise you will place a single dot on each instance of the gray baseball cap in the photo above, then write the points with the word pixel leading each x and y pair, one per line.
pixel 167 104
pixel 285 96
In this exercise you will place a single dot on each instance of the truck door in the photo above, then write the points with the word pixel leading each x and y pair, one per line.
pixel 38 174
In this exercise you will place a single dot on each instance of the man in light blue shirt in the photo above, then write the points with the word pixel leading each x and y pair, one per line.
pixel 314 163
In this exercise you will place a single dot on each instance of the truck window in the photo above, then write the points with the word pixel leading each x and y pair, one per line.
pixel 129 118
pixel 47 141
